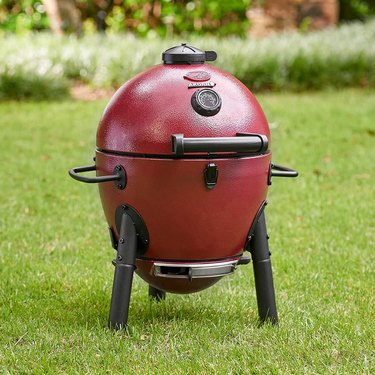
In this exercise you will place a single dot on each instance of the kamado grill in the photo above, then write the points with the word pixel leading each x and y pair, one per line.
pixel 183 163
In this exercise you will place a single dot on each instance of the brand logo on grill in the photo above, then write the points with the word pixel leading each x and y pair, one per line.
pixel 201 84
pixel 198 76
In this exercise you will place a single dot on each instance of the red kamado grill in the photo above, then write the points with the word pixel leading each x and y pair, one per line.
pixel 183 165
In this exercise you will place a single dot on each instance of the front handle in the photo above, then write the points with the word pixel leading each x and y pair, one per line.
pixel 244 142
pixel 277 170
pixel 119 176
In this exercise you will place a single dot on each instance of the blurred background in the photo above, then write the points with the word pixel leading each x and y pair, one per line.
pixel 268 44
pixel 166 18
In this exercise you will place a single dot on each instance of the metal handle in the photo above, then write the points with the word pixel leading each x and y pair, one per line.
pixel 277 170
pixel 119 176
pixel 244 142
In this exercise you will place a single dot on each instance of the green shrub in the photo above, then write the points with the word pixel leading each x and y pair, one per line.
pixel 25 86
pixel 28 72
pixel 141 17
pixel 332 58
pixel 339 57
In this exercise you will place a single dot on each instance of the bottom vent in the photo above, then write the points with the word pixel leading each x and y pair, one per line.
pixel 194 270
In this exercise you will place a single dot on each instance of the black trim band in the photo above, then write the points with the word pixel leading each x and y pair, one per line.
pixel 238 155
pixel 189 260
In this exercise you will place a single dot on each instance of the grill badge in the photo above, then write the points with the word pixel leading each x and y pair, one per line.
pixel 198 76
pixel 192 85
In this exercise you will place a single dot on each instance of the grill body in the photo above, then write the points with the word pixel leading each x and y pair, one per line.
pixel 186 221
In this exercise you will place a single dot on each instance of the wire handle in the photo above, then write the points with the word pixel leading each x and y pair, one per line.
pixel 277 170
pixel 119 176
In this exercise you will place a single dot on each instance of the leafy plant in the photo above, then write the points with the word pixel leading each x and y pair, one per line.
pixel 332 58
pixel 356 9
pixel 21 16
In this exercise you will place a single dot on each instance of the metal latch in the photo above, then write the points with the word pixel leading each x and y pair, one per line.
pixel 211 174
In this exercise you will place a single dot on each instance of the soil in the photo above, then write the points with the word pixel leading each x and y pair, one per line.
pixel 80 91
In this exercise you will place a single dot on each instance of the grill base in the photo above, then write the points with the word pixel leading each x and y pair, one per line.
pixel 185 277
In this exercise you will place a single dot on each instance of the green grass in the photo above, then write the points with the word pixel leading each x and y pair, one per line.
pixel 56 276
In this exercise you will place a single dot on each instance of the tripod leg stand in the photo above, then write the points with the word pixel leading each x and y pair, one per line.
pixel 124 271
pixel 156 293
pixel 263 272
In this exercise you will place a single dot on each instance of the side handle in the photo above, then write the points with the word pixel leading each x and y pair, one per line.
pixel 277 170
pixel 118 176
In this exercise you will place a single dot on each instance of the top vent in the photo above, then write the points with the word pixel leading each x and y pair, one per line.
pixel 185 54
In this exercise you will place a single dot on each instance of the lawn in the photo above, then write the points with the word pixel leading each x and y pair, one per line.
pixel 55 259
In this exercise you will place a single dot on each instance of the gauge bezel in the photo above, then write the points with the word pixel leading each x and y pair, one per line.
pixel 200 107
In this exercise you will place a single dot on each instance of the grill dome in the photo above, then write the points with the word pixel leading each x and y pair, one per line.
pixel 146 110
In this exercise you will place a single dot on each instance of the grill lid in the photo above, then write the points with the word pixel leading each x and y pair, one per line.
pixel 163 101
pixel 185 54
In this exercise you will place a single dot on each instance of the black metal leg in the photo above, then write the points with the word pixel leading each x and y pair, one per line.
pixel 124 271
pixel 263 272
pixel 156 293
